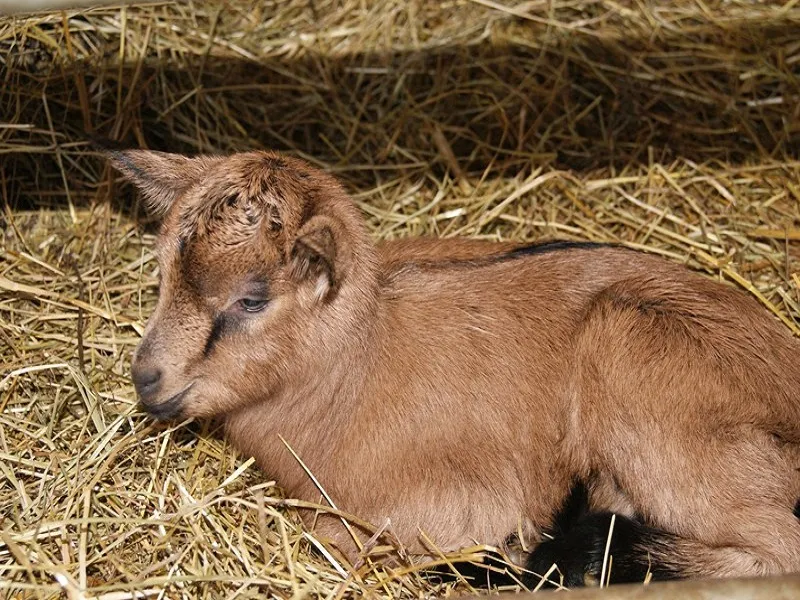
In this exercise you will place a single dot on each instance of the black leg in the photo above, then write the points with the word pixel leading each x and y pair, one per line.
pixel 635 551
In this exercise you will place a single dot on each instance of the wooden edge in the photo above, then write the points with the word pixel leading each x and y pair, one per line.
pixel 782 587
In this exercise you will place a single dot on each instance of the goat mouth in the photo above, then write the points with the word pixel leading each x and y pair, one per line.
pixel 170 408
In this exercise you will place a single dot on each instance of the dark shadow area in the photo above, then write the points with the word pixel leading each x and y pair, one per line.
pixel 492 573
pixel 581 103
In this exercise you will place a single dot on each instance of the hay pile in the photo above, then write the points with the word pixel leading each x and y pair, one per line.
pixel 672 126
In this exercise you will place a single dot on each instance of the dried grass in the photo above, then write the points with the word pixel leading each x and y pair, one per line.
pixel 670 126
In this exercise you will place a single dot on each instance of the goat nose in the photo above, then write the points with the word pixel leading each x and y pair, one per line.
pixel 146 380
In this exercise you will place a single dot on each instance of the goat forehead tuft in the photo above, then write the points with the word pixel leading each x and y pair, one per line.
pixel 273 161
pixel 248 191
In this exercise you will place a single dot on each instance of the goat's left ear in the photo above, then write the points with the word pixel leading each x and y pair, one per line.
pixel 160 176
pixel 316 255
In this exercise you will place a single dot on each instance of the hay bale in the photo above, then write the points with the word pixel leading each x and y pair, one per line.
pixel 668 126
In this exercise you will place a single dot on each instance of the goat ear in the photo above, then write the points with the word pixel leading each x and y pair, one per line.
pixel 160 176
pixel 314 256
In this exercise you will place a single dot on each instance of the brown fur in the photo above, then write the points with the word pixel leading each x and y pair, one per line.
pixel 460 391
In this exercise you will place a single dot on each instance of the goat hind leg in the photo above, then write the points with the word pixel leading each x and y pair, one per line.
pixel 726 517
pixel 634 553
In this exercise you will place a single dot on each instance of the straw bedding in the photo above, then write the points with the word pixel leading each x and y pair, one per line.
pixel 669 126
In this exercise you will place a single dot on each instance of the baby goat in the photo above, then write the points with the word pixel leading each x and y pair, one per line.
pixel 461 388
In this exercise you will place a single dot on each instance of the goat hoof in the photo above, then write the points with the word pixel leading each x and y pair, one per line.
pixel 573 562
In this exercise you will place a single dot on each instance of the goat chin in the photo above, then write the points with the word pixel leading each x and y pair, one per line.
pixel 464 389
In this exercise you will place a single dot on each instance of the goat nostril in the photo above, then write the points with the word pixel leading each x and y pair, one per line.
pixel 146 379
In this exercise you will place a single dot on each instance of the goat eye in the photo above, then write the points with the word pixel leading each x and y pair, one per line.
pixel 252 304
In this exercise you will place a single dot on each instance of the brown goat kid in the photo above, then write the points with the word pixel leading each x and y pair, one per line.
pixel 462 388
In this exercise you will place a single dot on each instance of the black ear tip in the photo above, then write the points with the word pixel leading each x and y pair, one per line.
pixel 104 144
